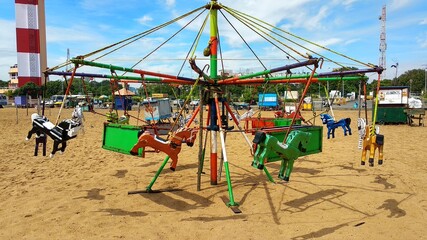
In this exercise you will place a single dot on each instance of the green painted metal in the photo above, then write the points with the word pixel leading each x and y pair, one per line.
pixel 101 65
pixel 285 122
pixel 120 138
pixel 302 76
pixel 267 173
pixel 296 143
pixel 214 44
pixel 159 77
pixel 230 188
pixel 157 174
pixel 314 146
pixel 390 115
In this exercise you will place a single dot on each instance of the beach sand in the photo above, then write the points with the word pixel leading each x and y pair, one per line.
pixel 83 193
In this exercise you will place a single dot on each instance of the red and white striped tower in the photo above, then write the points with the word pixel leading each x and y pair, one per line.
pixel 30 41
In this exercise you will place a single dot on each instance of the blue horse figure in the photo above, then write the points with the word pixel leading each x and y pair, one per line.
pixel 331 124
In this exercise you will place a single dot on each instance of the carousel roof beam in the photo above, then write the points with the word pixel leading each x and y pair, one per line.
pixel 312 61
pixel 61 73
pixel 351 72
pixel 123 78
pixel 295 80
pixel 124 69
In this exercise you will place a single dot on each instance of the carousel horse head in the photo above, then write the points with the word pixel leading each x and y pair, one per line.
pixel 77 115
pixel 326 118
pixel 187 135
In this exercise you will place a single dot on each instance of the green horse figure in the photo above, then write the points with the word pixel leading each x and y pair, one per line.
pixel 296 143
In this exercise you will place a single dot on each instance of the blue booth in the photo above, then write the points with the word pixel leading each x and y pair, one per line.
pixel 123 102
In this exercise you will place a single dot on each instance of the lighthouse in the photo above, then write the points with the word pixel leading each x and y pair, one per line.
pixel 30 41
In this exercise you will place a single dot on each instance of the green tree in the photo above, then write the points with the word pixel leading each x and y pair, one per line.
pixel 3 83
pixel 30 89
pixel 54 88
pixel 418 80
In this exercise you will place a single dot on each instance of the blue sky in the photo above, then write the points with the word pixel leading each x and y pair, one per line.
pixel 350 27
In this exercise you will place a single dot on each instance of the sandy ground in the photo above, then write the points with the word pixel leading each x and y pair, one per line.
pixel 82 194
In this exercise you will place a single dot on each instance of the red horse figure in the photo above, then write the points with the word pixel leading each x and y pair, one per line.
pixel 171 147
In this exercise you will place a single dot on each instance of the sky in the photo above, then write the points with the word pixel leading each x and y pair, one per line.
pixel 349 27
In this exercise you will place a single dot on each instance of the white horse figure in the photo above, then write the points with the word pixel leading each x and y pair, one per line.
pixel 78 117
pixel 245 115
pixel 61 133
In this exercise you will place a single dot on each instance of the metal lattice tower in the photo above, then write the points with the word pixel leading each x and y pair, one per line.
pixel 383 43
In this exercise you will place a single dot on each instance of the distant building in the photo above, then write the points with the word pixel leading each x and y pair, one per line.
pixel 226 73
pixel 13 77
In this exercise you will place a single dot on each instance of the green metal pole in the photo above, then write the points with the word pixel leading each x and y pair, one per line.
pixel 214 41
pixel 270 178
pixel 157 174
pixel 214 75
pixel 374 120
pixel 230 189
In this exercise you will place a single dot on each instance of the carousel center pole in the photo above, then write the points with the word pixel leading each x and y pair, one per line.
pixel 216 126
pixel 214 75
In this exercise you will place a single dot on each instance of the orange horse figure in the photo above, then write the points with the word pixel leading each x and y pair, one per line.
pixel 171 147
pixel 370 141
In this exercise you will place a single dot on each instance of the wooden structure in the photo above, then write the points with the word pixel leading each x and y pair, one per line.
pixel 415 116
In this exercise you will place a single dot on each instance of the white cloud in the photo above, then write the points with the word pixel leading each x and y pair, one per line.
pixel 8 56
pixel 144 20
pixel 423 22
pixel 422 41
pixel 350 41
pixel 71 34
pixel 107 7
pixel 315 22
pixel 170 3
pixel 347 4
pixel 398 4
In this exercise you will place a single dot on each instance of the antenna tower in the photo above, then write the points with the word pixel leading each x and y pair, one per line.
pixel 68 59
pixel 383 43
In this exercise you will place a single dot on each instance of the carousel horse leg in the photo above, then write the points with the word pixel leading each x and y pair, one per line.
pixel 138 145
pixel 30 133
pixel 286 168
pixel 364 150
pixel 55 148
pixel 289 170
pixel 44 140
pixel 174 162
pixel 259 157
pixel 380 145
pixel 372 148
pixel 344 128
pixel 36 148
pixel 282 170
pixel 63 147
pixel 40 140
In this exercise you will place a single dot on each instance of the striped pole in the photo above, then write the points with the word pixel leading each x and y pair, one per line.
pixel 30 41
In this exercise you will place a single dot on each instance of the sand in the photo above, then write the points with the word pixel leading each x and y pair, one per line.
pixel 83 193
